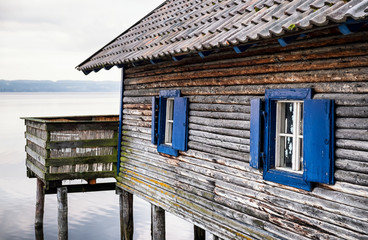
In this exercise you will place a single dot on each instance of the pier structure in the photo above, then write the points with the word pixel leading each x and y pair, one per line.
pixel 69 148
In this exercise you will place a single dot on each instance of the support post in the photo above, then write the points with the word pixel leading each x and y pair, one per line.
pixel 199 233
pixel 126 215
pixel 157 223
pixel 40 203
pixel 62 198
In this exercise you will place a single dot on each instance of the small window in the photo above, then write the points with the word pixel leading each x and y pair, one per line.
pixel 170 122
pixel 292 137
pixel 289 136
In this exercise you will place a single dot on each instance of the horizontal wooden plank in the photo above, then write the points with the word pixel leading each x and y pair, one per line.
pixel 137 118
pixel 34 124
pixel 352 112
pixel 241 148
pixel 38 141
pixel 353 166
pixel 70 126
pixel 223 123
pixel 352 144
pixel 345 99
pixel 33 168
pixel 347 188
pixel 136 123
pixel 220 137
pixel 36 156
pixel 214 107
pixel 235 99
pixel 221 115
pixel 220 130
pixel 361 156
pixel 218 151
pixel 137 100
pixel 352 177
pixel 352 123
pixel 56 162
pixel 323 87
pixel 137 129
pixel 138 112
pixel 353 134
pixel 83 143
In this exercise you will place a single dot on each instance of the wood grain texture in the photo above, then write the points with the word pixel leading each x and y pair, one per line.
pixel 212 185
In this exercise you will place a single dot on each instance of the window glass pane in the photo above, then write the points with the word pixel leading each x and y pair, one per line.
pixel 286 152
pixel 169 109
pixel 301 153
pixel 287 116
pixel 301 119
pixel 169 120
pixel 169 132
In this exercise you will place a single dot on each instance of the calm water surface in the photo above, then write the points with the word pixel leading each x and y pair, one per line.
pixel 91 215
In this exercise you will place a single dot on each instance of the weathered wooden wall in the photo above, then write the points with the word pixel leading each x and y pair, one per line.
pixel 212 184
pixel 72 148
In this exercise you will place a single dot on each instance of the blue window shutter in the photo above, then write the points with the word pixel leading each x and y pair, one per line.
pixel 180 126
pixel 255 133
pixel 319 141
pixel 154 120
pixel 161 121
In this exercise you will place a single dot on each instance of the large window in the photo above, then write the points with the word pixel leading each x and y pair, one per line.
pixel 292 137
pixel 170 122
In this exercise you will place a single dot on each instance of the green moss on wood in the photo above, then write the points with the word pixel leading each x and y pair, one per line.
pixel 292 27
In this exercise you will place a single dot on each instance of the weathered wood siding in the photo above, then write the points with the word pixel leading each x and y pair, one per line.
pixel 212 184
pixel 72 148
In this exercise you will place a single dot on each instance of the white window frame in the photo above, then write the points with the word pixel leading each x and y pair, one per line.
pixel 169 121
pixel 297 135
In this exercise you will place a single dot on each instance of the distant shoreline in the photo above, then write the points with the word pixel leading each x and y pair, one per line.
pixel 58 86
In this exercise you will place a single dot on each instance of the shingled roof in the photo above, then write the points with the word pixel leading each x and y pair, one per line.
pixel 179 27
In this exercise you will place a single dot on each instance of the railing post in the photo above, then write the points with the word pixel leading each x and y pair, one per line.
pixel 126 215
pixel 62 198
pixel 157 223
pixel 199 233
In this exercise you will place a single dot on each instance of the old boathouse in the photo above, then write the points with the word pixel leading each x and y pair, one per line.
pixel 247 118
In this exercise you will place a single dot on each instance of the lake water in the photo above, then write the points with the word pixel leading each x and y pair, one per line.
pixel 93 215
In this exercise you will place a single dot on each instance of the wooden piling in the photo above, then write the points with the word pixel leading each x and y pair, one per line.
pixel 62 198
pixel 157 223
pixel 126 215
pixel 40 203
pixel 199 233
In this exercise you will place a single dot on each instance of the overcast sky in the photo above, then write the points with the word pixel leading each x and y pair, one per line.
pixel 47 39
